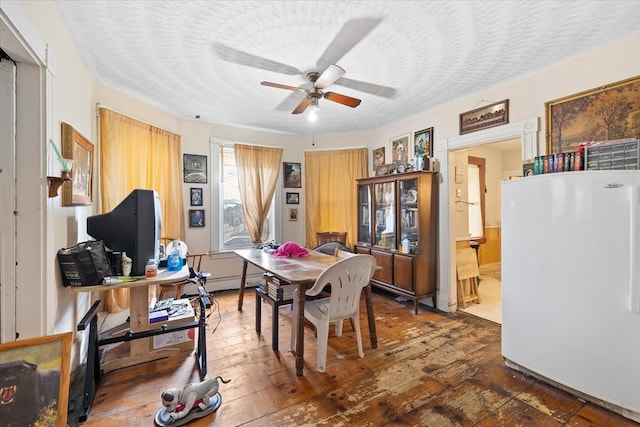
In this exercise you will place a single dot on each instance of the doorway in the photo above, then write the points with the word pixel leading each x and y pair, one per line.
pixel 483 167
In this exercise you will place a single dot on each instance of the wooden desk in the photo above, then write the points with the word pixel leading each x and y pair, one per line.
pixel 141 292
pixel 140 331
pixel 301 272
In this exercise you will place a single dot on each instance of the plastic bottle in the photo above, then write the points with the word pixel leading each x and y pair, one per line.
pixel 174 261
pixel 405 246
pixel 151 269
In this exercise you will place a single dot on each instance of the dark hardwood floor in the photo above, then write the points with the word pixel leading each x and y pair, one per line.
pixel 429 369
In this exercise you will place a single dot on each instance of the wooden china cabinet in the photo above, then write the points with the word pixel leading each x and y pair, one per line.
pixel 393 208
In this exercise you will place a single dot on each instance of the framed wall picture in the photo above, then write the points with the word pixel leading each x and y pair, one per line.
pixel 194 168
pixel 78 191
pixel 400 149
pixel 485 117
pixel 378 157
pixel 196 218
pixel 600 114
pixel 34 376
pixel 293 198
pixel 387 169
pixel 293 214
pixel 292 173
pixel 423 142
pixel 196 196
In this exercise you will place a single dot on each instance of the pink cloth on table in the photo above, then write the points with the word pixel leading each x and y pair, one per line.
pixel 291 250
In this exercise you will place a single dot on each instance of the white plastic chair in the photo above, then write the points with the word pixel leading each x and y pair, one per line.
pixel 347 278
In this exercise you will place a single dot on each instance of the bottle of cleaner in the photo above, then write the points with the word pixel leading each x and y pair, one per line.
pixel 174 261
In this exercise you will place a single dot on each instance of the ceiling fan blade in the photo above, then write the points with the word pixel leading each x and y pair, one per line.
pixel 350 35
pixel 242 58
pixel 302 106
pixel 330 75
pixel 342 99
pixel 289 103
pixel 281 86
pixel 374 89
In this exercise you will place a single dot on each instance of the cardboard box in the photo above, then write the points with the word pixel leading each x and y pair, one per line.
pixel 184 340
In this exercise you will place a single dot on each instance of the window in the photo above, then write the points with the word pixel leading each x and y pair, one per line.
pixel 475 196
pixel 232 230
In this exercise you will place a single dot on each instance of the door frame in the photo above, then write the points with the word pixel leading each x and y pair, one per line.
pixel 527 131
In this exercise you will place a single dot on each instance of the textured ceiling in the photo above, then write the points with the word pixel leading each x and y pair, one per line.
pixel 208 58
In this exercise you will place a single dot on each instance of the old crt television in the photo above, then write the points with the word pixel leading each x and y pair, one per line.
pixel 132 227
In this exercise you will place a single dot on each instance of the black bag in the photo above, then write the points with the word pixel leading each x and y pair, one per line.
pixel 84 264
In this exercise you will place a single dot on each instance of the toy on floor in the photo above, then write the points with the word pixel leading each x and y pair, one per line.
pixel 195 400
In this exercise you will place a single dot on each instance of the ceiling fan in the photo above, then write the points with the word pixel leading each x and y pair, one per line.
pixel 315 91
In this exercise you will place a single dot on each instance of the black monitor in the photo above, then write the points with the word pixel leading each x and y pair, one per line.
pixel 132 227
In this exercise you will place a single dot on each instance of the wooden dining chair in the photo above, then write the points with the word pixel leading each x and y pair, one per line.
pixel 196 276
pixel 331 236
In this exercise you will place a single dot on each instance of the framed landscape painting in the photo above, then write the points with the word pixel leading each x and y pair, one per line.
pixel 34 379
pixel 610 112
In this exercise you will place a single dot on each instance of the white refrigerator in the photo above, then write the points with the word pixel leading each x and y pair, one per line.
pixel 571 283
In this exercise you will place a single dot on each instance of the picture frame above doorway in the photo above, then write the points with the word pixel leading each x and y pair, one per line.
pixel 491 115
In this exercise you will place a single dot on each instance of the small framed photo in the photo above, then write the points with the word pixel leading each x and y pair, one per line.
pixel 423 142
pixel 378 157
pixel 196 196
pixel 400 149
pixel 292 173
pixel 293 214
pixel 194 168
pixel 293 198
pixel 196 218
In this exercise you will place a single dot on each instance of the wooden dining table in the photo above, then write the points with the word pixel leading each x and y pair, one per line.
pixel 302 273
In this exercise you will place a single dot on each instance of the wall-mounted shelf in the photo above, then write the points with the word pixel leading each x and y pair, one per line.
pixel 56 182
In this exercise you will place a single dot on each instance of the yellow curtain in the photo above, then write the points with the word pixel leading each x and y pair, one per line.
pixel 331 191
pixel 258 169
pixel 134 155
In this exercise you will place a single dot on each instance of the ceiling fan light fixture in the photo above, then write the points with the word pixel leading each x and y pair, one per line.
pixel 314 107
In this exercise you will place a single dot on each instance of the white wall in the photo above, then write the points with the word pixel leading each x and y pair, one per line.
pixel 75 95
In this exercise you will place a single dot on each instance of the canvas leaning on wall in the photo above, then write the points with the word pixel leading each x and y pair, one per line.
pixel 34 379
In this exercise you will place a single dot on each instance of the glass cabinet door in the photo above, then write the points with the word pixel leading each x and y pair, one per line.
pixel 364 206
pixel 409 213
pixel 384 220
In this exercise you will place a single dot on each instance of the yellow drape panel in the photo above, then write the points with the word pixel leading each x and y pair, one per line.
pixel 258 169
pixel 134 155
pixel 331 191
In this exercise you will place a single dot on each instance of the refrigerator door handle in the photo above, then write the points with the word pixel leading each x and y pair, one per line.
pixel 634 250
